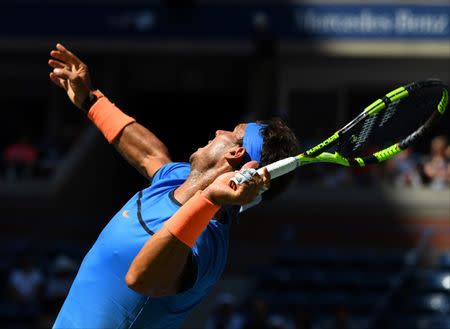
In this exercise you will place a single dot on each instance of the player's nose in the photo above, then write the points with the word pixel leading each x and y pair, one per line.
pixel 220 132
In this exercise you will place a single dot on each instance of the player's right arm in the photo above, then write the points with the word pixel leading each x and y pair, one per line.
pixel 139 146
pixel 161 266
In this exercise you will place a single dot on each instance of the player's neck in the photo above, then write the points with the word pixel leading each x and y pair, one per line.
pixel 197 180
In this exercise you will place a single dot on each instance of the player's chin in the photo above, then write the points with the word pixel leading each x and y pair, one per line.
pixel 197 152
pixel 194 155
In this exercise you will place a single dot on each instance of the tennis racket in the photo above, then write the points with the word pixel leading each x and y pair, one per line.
pixel 382 130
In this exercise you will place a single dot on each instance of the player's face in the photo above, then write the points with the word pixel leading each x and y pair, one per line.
pixel 220 145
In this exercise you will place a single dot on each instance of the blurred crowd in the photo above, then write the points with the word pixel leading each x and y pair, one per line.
pixel 256 314
pixel 409 169
pixel 25 159
pixel 36 288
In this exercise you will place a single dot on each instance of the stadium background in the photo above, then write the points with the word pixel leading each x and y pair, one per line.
pixel 343 245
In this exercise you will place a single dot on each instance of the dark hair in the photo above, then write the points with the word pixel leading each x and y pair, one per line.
pixel 279 142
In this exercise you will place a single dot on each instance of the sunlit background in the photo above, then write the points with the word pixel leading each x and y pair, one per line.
pixel 342 248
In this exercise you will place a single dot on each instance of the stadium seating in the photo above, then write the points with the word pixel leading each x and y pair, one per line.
pixel 323 280
pixel 421 322
pixel 16 316
pixel 363 282
pixel 444 260
pixel 425 300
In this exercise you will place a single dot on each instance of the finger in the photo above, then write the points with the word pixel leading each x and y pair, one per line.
pixel 65 74
pixel 245 174
pixel 266 177
pixel 250 189
pixel 251 180
pixel 63 57
pixel 68 54
pixel 251 164
pixel 57 81
pixel 227 176
pixel 56 64
pixel 246 192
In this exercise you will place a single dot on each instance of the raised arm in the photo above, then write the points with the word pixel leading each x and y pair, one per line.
pixel 139 146
pixel 142 149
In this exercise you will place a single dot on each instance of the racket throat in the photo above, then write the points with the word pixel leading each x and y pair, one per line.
pixel 335 158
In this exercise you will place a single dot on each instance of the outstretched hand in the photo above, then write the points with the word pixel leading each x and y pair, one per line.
pixel 71 74
pixel 221 192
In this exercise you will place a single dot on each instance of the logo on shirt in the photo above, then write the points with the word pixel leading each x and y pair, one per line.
pixel 125 214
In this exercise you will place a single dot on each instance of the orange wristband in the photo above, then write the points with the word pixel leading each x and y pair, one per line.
pixel 191 219
pixel 109 119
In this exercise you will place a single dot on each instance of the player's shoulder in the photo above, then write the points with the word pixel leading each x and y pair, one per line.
pixel 172 170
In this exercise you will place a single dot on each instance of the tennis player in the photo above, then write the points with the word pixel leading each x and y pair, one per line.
pixel 167 246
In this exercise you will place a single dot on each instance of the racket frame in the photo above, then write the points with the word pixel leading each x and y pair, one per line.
pixel 318 153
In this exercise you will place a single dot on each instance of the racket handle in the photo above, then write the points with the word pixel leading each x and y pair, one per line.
pixel 254 202
pixel 280 167
pixel 275 170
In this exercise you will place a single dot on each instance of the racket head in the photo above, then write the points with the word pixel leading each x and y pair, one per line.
pixel 389 125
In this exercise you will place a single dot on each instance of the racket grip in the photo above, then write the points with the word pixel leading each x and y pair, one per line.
pixel 275 169
pixel 280 167
pixel 251 204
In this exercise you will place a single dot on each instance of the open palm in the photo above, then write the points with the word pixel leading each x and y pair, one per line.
pixel 71 74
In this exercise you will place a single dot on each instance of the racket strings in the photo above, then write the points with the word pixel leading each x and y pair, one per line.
pixel 395 123
pixel 388 113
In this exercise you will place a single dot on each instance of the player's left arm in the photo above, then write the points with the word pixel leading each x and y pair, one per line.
pixel 160 267
pixel 138 145
pixel 142 149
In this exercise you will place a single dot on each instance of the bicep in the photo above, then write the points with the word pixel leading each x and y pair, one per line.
pixel 159 266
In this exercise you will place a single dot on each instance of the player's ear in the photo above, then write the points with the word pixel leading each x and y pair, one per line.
pixel 235 156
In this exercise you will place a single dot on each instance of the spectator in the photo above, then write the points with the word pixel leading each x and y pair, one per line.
pixel 20 158
pixel 403 170
pixel 224 314
pixel 447 152
pixel 277 321
pixel 447 156
pixel 435 166
pixel 61 275
pixel 26 282
pixel 51 152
